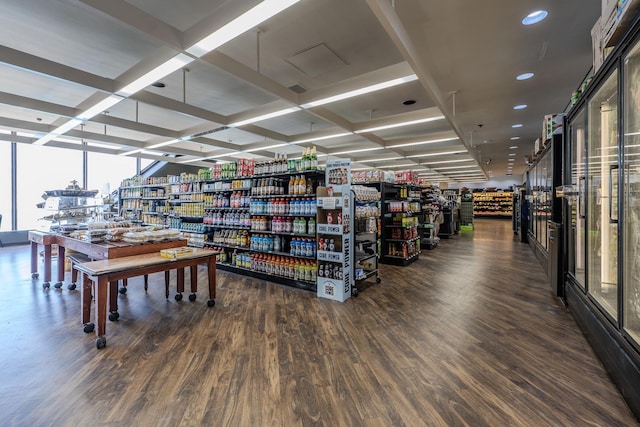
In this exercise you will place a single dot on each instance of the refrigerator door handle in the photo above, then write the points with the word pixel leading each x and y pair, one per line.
pixel 613 194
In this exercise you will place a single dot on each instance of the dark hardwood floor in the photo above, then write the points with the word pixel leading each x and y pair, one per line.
pixel 467 336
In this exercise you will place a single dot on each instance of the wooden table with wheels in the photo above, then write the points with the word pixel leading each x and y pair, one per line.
pixel 96 251
pixel 47 240
pixel 107 271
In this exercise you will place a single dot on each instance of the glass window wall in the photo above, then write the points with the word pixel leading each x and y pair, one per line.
pixel 602 226
pixel 5 185
pixel 40 169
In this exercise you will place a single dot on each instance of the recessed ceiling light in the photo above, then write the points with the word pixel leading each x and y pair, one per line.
pixel 517 125
pixel 512 154
pixel 520 107
pixel 524 76
pixel 515 138
pixel 158 84
pixel 409 102
pixel 513 147
pixel 534 17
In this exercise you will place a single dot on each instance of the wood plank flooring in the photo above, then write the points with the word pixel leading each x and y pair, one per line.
pixel 469 335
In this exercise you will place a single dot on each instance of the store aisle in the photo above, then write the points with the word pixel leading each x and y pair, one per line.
pixel 467 335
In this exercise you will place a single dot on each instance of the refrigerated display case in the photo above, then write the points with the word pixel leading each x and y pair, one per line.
pixel 631 178
pixel 602 178
pixel 602 215
pixel 576 206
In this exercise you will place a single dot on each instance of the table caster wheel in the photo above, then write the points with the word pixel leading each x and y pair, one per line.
pixel 192 297
pixel 114 315
pixel 354 292
pixel 178 297
pixel 378 280
pixel 34 275
pixel 58 285
pixel 122 290
pixel 101 343
pixel 211 303
pixel 46 285
pixel 71 287
pixel 89 327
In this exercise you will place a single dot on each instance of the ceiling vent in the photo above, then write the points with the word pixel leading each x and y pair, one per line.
pixel 297 88
pixel 316 61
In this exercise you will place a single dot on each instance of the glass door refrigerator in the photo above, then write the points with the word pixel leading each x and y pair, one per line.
pixel 602 215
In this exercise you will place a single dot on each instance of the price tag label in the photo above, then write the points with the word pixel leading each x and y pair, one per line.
pixel 329 203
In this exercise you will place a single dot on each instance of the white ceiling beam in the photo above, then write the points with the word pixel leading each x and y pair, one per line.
pixel 53 69
pixel 179 107
pixel 37 105
pixel 383 10
pixel 125 13
pixel 246 74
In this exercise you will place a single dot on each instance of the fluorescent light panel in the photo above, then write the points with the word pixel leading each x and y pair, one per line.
pixel 268 147
pixel 243 23
pixel 163 144
pixel 382 160
pixel 458 167
pixel 96 144
pixel 362 150
pixel 321 138
pixel 265 116
pixel 449 161
pixel 403 165
pixel 58 131
pixel 128 153
pixel 162 70
pixel 396 125
pixel 444 153
pixel 194 160
pixel 361 91
pixel 98 108
pixel 432 141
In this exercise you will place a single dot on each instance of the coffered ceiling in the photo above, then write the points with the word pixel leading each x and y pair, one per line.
pixel 451 66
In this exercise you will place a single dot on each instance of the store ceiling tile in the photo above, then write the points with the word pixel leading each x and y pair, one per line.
pixel 73 35
pixel 64 56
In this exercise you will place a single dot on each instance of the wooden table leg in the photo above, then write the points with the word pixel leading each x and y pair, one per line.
pixel 194 278
pixel 211 272
pixel 102 291
pixel 74 275
pixel 166 283
pixel 113 296
pixel 85 291
pixel 47 265
pixel 34 260
pixel 61 255
pixel 180 274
